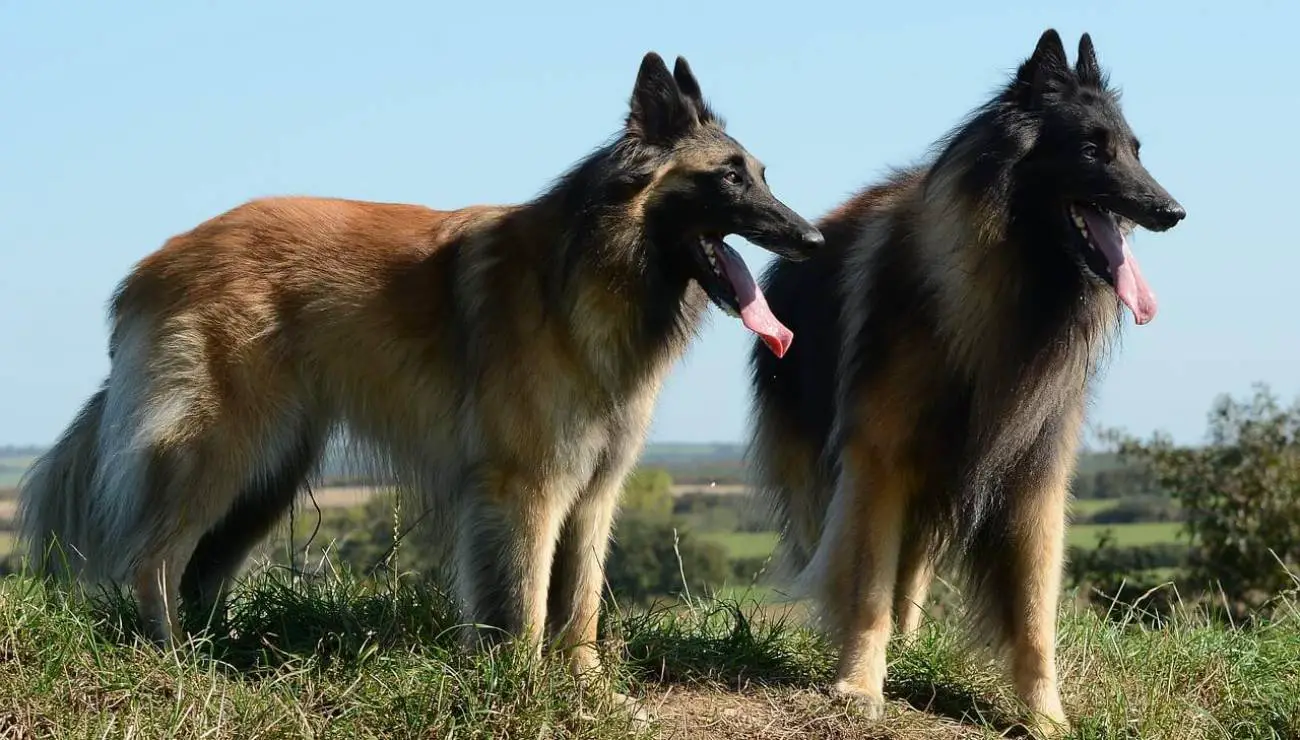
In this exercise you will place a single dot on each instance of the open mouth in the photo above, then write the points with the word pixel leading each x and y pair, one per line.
pixel 1107 254
pixel 728 283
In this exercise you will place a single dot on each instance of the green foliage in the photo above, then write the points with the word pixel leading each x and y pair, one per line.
pixel 648 492
pixel 746 570
pixel 1114 482
pixel 1240 493
pixel 1110 574
pixel 650 556
pixel 1108 558
pixel 361 539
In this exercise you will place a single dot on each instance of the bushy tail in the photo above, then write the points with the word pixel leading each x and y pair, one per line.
pixel 55 512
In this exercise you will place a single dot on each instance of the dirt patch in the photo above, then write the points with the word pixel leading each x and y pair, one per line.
pixel 784 714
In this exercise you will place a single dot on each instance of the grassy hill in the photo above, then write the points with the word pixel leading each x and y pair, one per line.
pixel 333 658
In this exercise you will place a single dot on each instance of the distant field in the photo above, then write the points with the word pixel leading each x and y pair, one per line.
pixel 12 467
pixel 738 544
pixel 332 496
pixel 1090 506
pixel 10 474
pixel 760 544
pixel 329 497
pixel 1128 535
pixel 743 544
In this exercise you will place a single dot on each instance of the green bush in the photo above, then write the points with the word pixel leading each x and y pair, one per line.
pixel 649 557
pixel 1240 494
pixel 648 492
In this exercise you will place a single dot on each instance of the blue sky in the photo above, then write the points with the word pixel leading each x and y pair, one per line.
pixel 120 127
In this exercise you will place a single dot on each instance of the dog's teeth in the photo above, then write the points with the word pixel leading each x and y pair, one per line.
pixel 712 256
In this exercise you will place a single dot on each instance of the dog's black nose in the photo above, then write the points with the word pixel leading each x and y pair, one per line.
pixel 1171 214
pixel 812 238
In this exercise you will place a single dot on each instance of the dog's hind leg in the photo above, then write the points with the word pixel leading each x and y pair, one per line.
pixel 872 543
pixel 194 472
pixel 179 497
pixel 260 506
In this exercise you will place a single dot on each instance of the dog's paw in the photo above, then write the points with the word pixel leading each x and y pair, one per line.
pixel 630 705
pixel 616 701
pixel 1048 726
pixel 870 703
pixel 1044 715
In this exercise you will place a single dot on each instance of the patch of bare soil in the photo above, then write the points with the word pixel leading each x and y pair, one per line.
pixel 706 713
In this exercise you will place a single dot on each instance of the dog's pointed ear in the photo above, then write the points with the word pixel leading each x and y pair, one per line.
pixel 659 112
pixel 1049 54
pixel 686 81
pixel 1086 67
pixel 1043 70
pixel 690 88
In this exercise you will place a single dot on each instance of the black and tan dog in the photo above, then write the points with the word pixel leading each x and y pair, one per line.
pixel 501 361
pixel 949 334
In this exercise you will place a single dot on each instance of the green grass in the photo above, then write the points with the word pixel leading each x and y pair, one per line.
pixel 336 658
pixel 1127 535
pixel 743 544
pixel 1089 506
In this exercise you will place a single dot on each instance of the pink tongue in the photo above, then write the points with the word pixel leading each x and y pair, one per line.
pixel 754 312
pixel 1129 284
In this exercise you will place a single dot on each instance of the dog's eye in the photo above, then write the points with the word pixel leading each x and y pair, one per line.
pixel 1090 150
pixel 732 177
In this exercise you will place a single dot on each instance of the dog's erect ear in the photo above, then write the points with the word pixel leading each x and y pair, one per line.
pixel 1049 54
pixel 686 81
pixel 659 112
pixel 690 88
pixel 1086 67
pixel 1044 70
